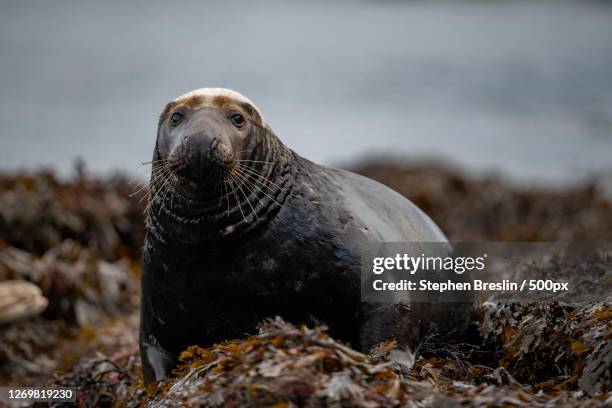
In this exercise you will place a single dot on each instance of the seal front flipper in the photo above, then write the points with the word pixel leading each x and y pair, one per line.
pixel 157 363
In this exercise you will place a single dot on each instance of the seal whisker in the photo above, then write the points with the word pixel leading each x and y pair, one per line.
pixel 248 167
pixel 253 186
pixel 164 177
pixel 226 196
pixel 254 161
pixel 161 197
pixel 169 184
pixel 138 178
pixel 218 175
pixel 235 196
pixel 152 162
pixel 253 179
pixel 239 190
pixel 144 186
pixel 256 178
pixel 247 198
pixel 143 173
pixel 258 174
pixel 154 178
pixel 174 184
pixel 158 170
pixel 230 178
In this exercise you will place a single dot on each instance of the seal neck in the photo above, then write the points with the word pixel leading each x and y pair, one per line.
pixel 254 191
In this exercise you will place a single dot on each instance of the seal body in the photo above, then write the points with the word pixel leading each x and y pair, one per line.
pixel 207 278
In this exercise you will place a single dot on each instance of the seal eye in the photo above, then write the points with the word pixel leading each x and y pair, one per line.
pixel 176 118
pixel 237 119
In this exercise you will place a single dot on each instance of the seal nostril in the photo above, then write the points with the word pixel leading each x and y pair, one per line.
pixel 214 144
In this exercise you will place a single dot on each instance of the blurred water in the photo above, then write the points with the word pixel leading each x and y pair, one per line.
pixel 524 88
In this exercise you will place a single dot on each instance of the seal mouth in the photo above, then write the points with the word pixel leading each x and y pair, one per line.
pixel 199 167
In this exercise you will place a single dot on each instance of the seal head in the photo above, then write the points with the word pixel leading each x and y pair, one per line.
pixel 205 132
pixel 218 169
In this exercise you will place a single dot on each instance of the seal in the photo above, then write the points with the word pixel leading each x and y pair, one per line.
pixel 241 228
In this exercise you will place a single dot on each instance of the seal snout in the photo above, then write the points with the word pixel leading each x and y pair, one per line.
pixel 200 153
